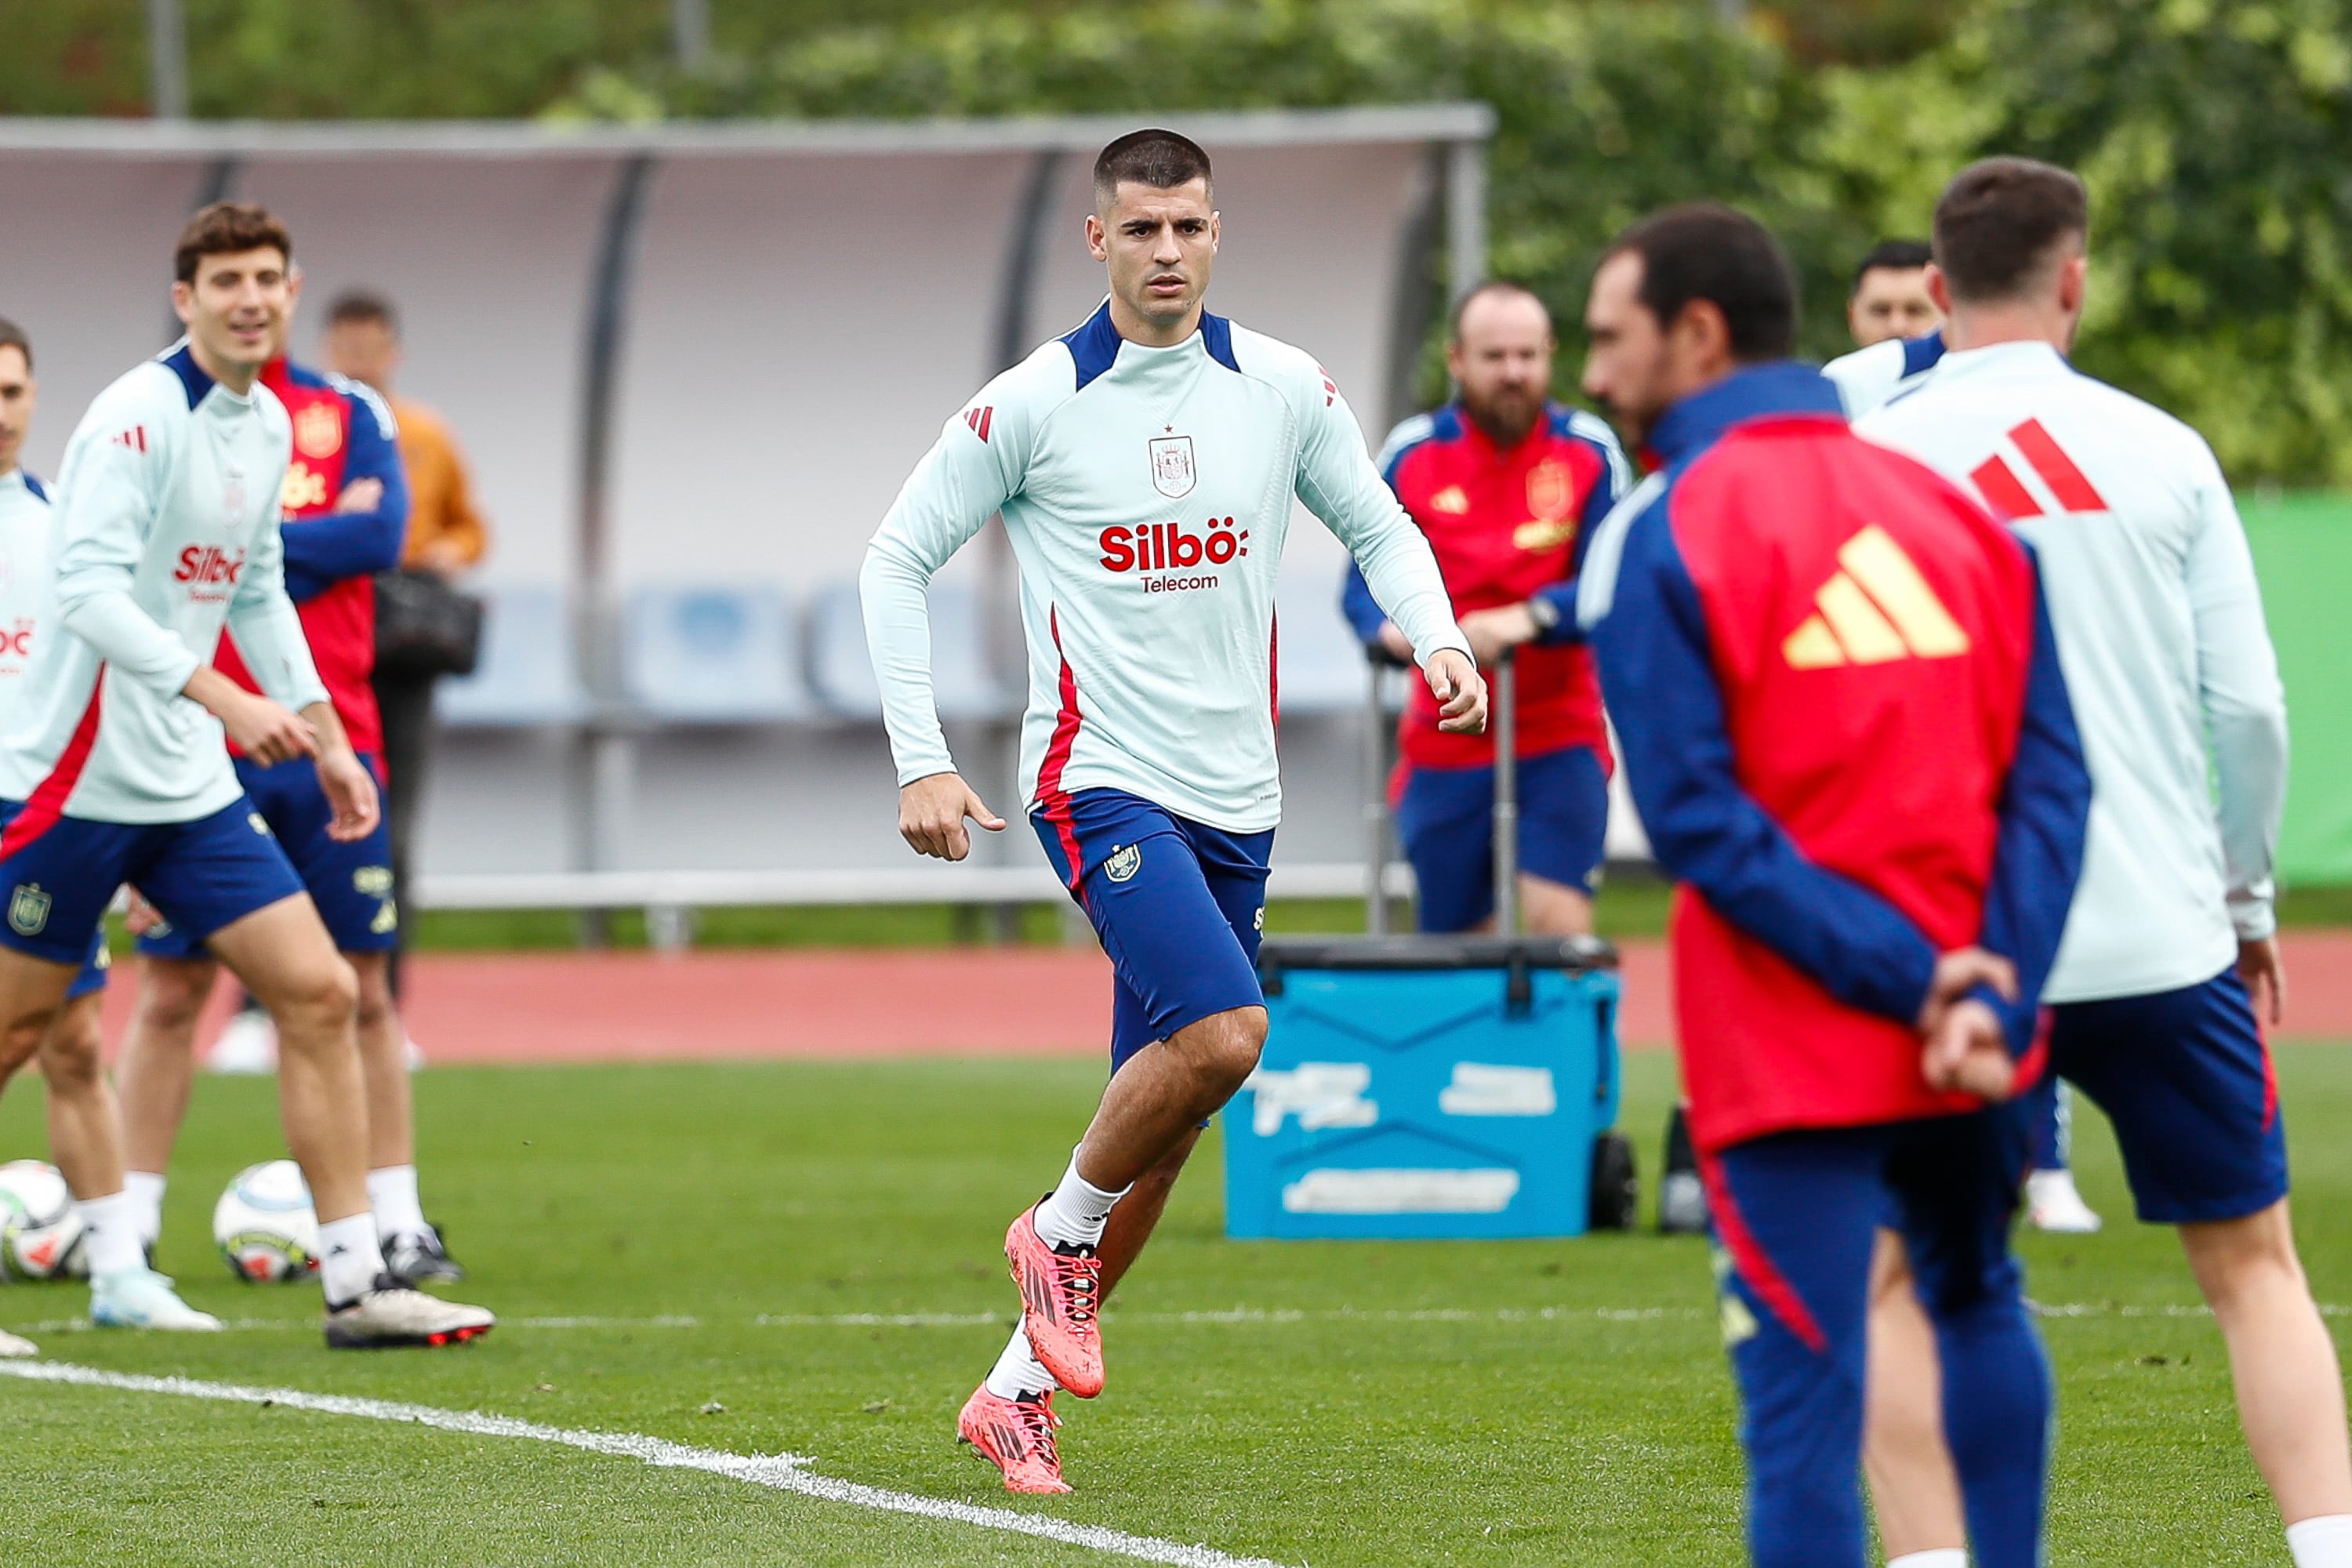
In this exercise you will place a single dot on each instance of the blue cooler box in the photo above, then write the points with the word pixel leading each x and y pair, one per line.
pixel 1419 1085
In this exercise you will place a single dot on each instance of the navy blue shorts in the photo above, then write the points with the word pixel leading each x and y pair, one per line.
pixel 1179 907
pixel 92 978
pixel 200 874
pixel 1445 817
pixel 351 883
pixel 2186 1080
pixel 1795 1216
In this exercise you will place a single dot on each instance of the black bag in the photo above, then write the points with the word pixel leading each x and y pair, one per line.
pixel 423 626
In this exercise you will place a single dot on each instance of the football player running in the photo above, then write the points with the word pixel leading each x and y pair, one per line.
pixel 115 770
pixel 1144 465
pixel 2170 966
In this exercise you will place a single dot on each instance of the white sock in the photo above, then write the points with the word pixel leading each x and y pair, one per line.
pixel 109 1229
pixel 146 1191
pixel 1941 1557
pixel 1075 1211
pixel 2324 1540
pixel 1018 1371
pixel 348 1258
pixel 391 1194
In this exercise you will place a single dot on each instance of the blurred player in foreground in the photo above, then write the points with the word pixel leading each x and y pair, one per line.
pixel 2171 968
pixel 343 509
pixel 1144 466
pixel 1506 485
pixel 1842 718
pixel 115 770
pixel 85 1125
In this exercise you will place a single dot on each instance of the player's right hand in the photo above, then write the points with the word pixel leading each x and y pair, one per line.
pixel 266 733
pixel 1959 972
pixel 2265 972
pixel 931 813
pixel 1968 1052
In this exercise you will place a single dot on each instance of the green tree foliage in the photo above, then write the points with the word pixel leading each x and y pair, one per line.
pixel 2217 139
pixel 2214 133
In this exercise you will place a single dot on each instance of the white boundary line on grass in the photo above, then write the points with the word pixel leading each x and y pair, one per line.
pixel 779 1472
pixel 1234 1315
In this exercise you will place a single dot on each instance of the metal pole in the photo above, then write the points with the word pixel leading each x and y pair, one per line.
pixel 1376 808
pixel 1466 216
pixel 167 60
pixel 1505 722
pixel 602 777
pixel 689 31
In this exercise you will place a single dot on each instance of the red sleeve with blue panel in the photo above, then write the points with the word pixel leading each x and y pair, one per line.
pixel 2045 813
pixel 333 546
pixel 1657 675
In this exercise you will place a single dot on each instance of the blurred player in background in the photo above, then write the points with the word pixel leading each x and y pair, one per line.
pixel 85 1124
pixel 446 536
pixel 2170 967
pixel 1897 330
pixel 1144 466
pixel 1842 718
pixel 116 772
pixel 344 508
pixel 1508 486
pixel 1890 294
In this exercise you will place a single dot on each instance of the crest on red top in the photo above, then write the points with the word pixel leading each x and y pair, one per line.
pixel 317 430
pixel 1551 491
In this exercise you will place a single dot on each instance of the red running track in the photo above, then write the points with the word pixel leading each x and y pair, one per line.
pixel 641 1006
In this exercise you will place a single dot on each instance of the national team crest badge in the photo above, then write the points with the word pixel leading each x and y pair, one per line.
pixel 318 431
pixel 1549 491
pixel 1172 474
pixel 1124 863
pixel 29 909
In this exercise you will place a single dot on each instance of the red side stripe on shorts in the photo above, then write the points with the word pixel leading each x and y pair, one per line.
pixel 2003 491
pixel 2068 483
pixel 1763 1275
pixel 1057 758
pixel 47 801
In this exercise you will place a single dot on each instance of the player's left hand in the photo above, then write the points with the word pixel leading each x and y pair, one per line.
pixel 2265 972
pixel 1967 1053
pixel 1493 632
pixel 351 791
pixel 1460 690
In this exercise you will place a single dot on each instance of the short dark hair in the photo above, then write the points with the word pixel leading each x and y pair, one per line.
pixel 2002 221
pixel 363 307
pixel 12 336
pixel 1705 250
pixel 1161 159
pixel 1893 255
pixel 224 229
pixel 1505 286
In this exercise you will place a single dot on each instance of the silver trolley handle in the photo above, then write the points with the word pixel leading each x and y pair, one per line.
pixel 1377 731
pixel 1503 721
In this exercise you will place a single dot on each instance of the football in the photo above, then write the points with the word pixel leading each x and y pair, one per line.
pixel 40 1230
pixel 265 1226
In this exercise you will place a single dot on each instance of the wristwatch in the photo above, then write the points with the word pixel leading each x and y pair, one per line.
pixel 1546 616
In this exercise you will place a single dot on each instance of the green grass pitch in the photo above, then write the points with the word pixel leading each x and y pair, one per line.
pixel 1344 1404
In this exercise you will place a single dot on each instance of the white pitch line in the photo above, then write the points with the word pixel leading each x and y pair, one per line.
pixel 779 1472
pixel 1228 1316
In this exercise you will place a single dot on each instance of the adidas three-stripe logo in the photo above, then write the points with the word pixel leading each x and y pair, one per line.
pixel 1877 608
pixel 2006 493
